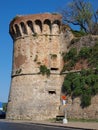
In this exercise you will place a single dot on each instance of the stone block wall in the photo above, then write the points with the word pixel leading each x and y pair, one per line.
pixel 74 110
pixel 34 97
pixel 38 41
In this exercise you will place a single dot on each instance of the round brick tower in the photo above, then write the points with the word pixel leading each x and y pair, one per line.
pixel 38 41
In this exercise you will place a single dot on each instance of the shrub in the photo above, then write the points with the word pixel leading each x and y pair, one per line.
pixel 88 53
pixel 77 92
pixel 85 52
pixel 85 99
pixel 78 33
pixel 95 89
pixel 66 87
pixel 83 84
pixel 70 55
pixel 44 70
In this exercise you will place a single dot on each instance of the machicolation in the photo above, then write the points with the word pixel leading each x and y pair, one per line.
pixel 35 24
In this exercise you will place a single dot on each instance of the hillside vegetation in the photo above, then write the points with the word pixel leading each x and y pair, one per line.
pixel 82 56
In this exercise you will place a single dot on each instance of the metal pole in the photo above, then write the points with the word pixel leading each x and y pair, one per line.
pixel 65 121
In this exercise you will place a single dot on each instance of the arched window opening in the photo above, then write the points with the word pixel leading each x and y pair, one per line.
pixel 18 34
pixel 24 30
pixel 30 25
pixel 57 22
pixel 39 23
pixel 56 27
pixel 12 32
pixel 48 22
pixel 47 26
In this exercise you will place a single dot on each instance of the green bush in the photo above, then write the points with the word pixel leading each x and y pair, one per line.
pixel 83 85
pixel 85 52
pixel 93 59
pixel 77 92
pixel 70 55
pixel 44 70
pixel 66 86
pixel 95 88
pixel 85 99
pixel 78 33
pixel 88 53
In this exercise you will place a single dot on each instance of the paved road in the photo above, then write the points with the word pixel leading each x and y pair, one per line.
pixel 30 126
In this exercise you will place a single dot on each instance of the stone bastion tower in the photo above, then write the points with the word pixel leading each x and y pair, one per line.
pixel 38 44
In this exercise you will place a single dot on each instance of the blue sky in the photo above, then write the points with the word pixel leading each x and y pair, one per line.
pixel 8 10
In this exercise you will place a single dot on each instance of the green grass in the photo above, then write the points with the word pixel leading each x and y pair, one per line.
pixel 83 120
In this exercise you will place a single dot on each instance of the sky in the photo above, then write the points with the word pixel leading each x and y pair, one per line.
pixel 8 10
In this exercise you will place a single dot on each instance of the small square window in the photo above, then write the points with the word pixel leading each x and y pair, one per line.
pixel 54 69
pixel 52 92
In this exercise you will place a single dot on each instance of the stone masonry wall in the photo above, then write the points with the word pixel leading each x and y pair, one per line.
pixel 34 97
pixel 38 41
pixel 74 110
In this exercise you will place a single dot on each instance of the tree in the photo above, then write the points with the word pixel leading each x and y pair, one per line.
pixel 81 13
